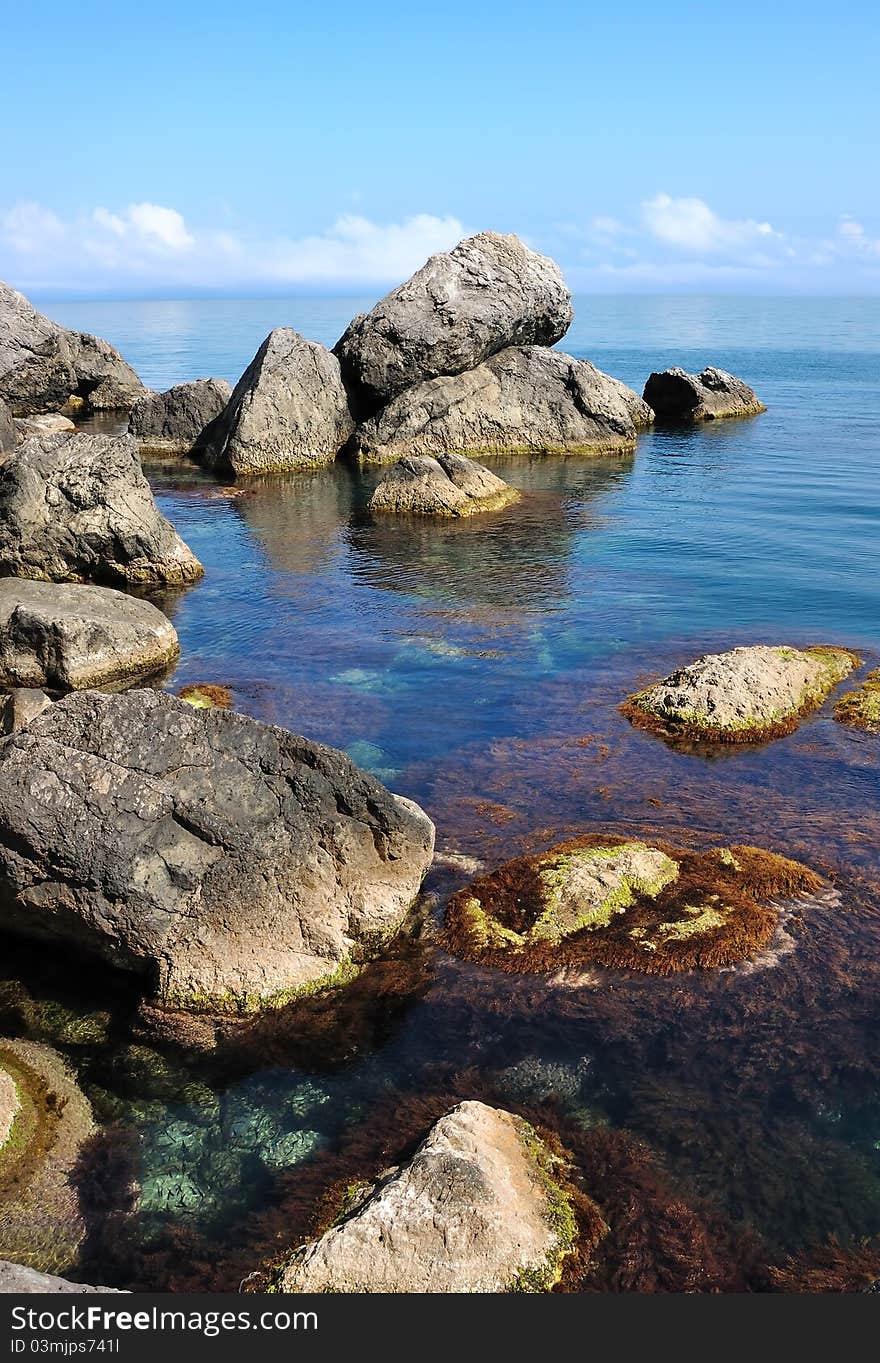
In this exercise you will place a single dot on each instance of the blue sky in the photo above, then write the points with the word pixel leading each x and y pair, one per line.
pixel 287 147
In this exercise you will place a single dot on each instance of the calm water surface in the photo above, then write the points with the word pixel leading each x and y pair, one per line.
pixel 476 667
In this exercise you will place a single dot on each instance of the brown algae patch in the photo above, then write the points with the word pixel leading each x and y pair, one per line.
pixel 622 904
pixel 861 707
pixel 746 695
pixel 207 696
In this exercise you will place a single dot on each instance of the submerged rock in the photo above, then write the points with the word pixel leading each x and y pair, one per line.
pixel 174 422
pixel 746 695
pixel 289 410
pixel 78 507
pixel 19 1279
pixel 41 1222
pixel 450 485
pixel 678 397
pixel 68 637
pixel 622 904
pixel 20 706
pixel 229 861
pixel 476 1209
pixel 523 400
pixel 489 293
pixel 42 363
pixel 861 707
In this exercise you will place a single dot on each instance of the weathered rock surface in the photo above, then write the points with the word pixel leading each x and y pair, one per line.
pixel 678 397
pixel 67 637
pixel 78 507
pixel 640 413
pixel 42 363
pixel 449 485
pixel 473 1211
pixel 742 696
pixel 19 1279
pixel 489 293
pixel 20 706
pixel 52 423
pixel 8 429
pixel 288 410
pixel 528 399
pixel 173 422
pixel 227 860
pixel 41 1222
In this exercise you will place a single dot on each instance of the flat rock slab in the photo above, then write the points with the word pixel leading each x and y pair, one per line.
pixel 52 423
pixel 42 363
pixel 677 397
pixel 527 399
pixel 68 637
pixel 78 508
pixel 288 410
pixel 450 485
pixel 746 695
pixel 174 422
pixel 489 293
pixel 19 1279
pixel 471 1212
pixel 228 861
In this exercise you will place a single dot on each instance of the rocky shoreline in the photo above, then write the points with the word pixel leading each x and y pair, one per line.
pixel 231 867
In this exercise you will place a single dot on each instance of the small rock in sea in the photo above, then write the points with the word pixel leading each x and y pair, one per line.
pixel 114 394
pixel 53 423
pixel 489 293
pixel 679 398
pixel 747 695
pixel 206 695
pixel 478 1208
pixel 289 410
pixel 78 508
pixel 623 904
pixel 525 400
pixel 230 862
pixel 42 363
pixel 449 485
pixel 67 636
pixel 42 1221
pixel 175 422
pixel 861 707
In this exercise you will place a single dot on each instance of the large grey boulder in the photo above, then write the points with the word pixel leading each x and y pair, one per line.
pixel 489 293
pixel 68 637
pixel 172 422
pixel 449 485
pixel 473 1211
pixel 228 861
pixel 19 1279
pixel 78 508
pixel 528 399
pixel 42 363
pixel 680 398
pixel 745 695
pixel 8 429
pixel 288 410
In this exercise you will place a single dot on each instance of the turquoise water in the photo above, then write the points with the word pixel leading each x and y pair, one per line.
pixel 477 667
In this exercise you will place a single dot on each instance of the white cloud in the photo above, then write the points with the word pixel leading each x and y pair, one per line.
pixel 693 226
pixel 153 245
pixel 853 239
